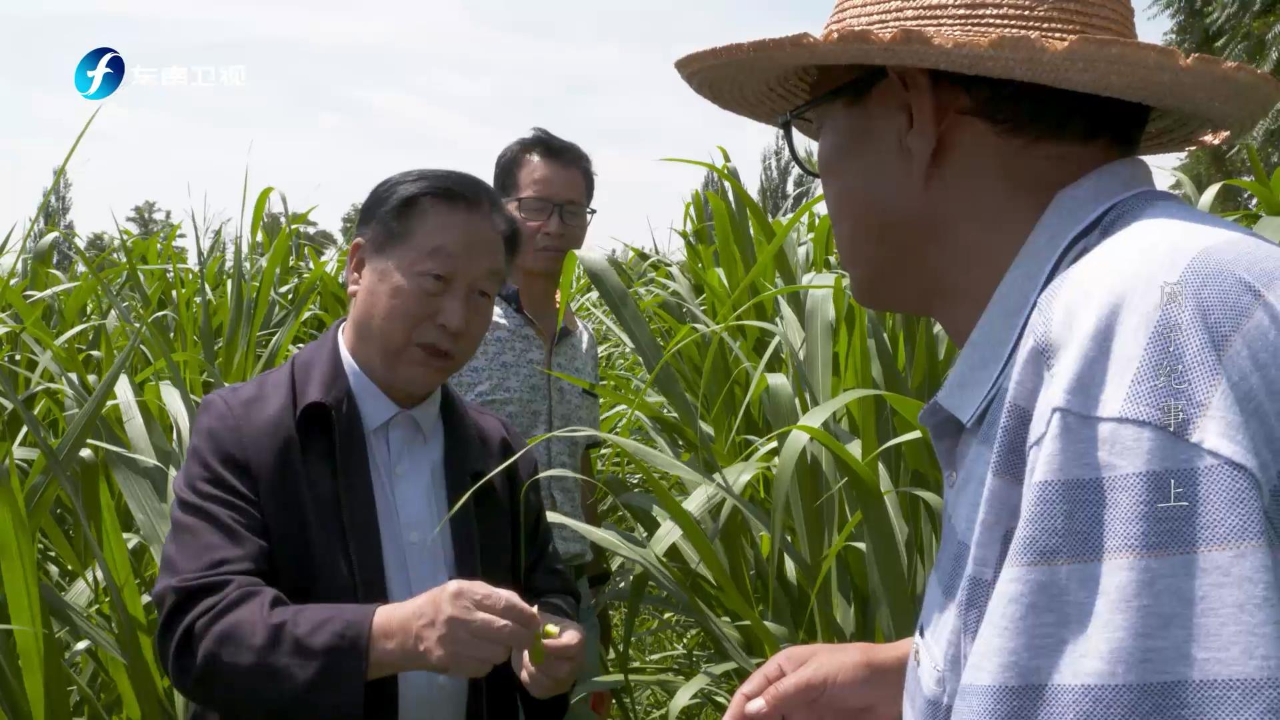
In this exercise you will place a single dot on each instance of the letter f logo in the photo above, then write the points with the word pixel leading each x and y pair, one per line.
pixel 99 73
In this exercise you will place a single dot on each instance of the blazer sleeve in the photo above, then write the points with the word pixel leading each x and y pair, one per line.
pixel 545 580
pixel 228 640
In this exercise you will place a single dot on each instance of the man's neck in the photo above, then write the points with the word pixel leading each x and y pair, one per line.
pixel 989 223
pixel 351 339
pixel 538 295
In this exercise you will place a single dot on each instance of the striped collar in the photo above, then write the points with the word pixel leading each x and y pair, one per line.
pixel 977 374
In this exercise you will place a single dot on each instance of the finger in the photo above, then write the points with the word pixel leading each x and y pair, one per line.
pixel 502 631
pixel 787 696
pixel 760 680
pixel 557 670
pixel 506 605
pixel 543 685
pixel 571 633
pixel 484 651
pixel 737 707
pixel 528 674
pixel 565 646
pixel 565 626
pixel 564 623
pixel 550 673
pixel 541 689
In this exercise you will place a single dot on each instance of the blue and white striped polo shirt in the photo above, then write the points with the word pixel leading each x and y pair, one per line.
pixel 1110 439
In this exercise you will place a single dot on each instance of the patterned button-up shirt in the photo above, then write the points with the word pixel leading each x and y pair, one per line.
pixel 508 377
pixel 1110 442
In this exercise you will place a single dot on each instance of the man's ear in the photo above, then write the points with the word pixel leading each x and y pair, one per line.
pixel 357 264
pixel 928 112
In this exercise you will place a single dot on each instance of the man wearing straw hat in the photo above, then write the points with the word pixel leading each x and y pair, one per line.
pixel 1110 433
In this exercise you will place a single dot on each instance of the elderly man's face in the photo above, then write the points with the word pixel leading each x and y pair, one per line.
pixel 873 196
pixel 422 306
pixel 544 243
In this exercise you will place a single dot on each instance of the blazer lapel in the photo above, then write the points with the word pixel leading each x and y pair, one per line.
pixel 359 507
pixel 329 427
pixel 320 380
pixel 462 470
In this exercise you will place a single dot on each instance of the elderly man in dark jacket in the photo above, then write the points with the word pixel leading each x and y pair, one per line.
pixel 350 539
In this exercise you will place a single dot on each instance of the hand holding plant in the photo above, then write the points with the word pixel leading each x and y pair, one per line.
pixel 550 664
pixel 462 628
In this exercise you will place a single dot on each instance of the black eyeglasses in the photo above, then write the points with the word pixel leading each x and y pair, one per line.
pixel 539 209
pixel 853 89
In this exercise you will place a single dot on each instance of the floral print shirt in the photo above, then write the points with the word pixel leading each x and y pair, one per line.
pixel 508 377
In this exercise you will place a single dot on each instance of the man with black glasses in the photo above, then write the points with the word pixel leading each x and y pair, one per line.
pixel 548 183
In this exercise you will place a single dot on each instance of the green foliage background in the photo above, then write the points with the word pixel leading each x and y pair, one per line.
pixel 765 480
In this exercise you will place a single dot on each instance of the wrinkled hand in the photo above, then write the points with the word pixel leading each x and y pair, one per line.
pixel 857 680
pixel 562 660
pixel 463 628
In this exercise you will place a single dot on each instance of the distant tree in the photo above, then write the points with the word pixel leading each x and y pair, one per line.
pixel 349 220
pixel 149 219
pixel 183 253
pixel 214 241
pixel 1242 30
pixel 1239 30
pixel 712 183
pixel 305 230
pixel 322 240
pixel 97 243
pixel 783 186
pixel 56 217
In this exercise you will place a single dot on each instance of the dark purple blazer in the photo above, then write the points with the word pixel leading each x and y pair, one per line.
pixel 273 566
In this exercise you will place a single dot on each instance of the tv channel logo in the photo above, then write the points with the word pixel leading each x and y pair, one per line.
pixel 99 73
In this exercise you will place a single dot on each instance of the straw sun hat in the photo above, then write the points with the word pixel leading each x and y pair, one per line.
pixel 1088 46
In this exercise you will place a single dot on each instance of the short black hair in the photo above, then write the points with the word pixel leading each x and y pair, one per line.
pixel 394 201
pixel 1039 112
pixel 546 146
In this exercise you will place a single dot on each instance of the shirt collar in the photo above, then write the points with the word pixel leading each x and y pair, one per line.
pixel 975 376
pixel 510 294
pixel 375 407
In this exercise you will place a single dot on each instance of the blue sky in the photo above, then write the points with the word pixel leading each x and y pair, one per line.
pixel 338 95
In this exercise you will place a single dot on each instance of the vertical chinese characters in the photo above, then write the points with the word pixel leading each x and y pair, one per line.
pixel 1170 375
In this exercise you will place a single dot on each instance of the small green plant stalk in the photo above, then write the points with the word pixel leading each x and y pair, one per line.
pixel 549 631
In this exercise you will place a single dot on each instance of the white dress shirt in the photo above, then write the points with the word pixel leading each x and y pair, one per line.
pixel 406 463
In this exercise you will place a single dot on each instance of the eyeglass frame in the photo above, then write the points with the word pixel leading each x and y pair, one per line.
pixel 556 208
pixel 854 88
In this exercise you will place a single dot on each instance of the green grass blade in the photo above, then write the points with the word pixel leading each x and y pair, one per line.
pixel 22 592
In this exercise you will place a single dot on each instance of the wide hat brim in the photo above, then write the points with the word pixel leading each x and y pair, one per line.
pixel 1195 100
